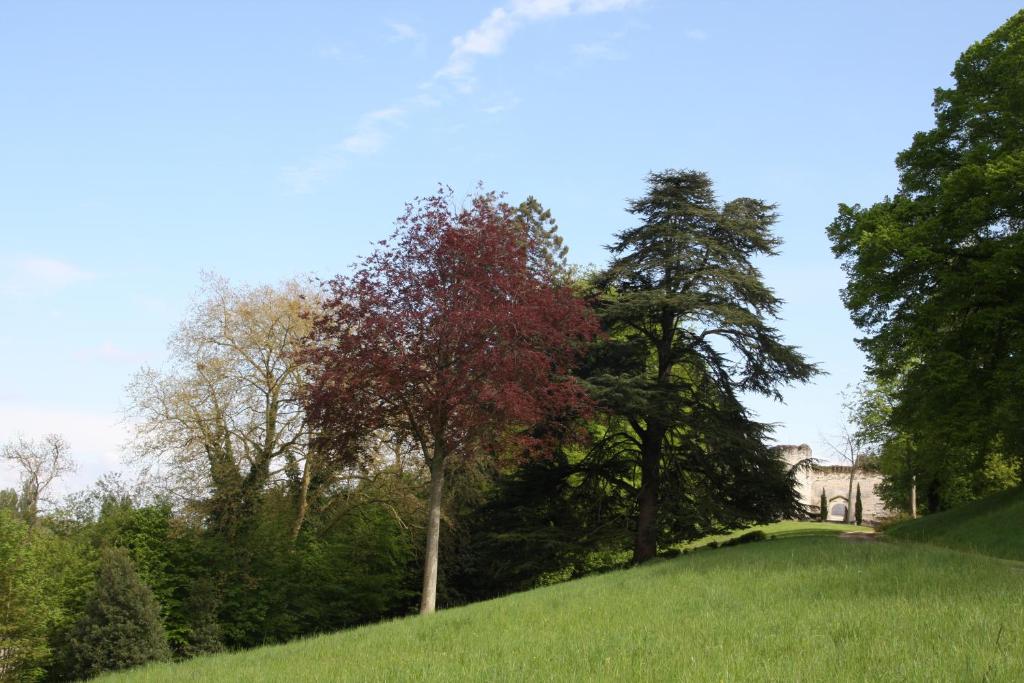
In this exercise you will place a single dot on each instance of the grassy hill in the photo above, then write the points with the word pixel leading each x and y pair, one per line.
pixel 992 526
pixel 798 608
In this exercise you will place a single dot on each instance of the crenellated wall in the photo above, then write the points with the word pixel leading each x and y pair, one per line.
pixel 835 480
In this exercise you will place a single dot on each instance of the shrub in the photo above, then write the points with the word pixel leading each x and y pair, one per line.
pixel 823 509
pixel 120 627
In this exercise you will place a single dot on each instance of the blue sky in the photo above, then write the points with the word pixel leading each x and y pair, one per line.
pixel 141 143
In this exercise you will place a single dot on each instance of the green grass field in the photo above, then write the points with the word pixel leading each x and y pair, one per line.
pixel 992 526
pixel 798 608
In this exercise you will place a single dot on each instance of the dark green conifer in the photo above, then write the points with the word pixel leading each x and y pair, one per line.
pixel 689 322
pixel 121 625
pixel 858 509
pixel 823 511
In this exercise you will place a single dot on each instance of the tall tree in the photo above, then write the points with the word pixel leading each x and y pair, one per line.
pixel 935 272
pixel 687 315
pixel 226 414
pixel 456 332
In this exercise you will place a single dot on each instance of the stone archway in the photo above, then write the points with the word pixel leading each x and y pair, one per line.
pixel 837 507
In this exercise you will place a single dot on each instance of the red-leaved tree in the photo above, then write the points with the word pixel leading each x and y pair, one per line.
pixel 455 332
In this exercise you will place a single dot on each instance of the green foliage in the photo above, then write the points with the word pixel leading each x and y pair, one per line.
pixel 120 627
pixel 823 506
pixel 858 509
pixel 27 602
pixel 687 317
pixel 752 613
pixel 935 279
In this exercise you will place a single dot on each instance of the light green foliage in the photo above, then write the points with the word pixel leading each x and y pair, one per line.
pixel 753 612
pixel 992 526
pixel 27 603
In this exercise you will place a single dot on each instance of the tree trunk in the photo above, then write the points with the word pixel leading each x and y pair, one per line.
pixel 913 496
pixel 428 600
pixel 303 503
pixel 646 545
pixel 848 516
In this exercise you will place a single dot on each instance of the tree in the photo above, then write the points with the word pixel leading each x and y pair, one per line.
pixel 39 464
pixel 121 626
pixel 859 508
pixel 27 601
pixel 823 507
pixel 935 272
pixel 687 316
pixel 226 415
pixel 455 332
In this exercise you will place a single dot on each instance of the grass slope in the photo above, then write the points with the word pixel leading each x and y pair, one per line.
pixel 991 526
pixel 777 530
pixel 803 608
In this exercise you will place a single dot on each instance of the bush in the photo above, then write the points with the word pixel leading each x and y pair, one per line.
pixel 121 625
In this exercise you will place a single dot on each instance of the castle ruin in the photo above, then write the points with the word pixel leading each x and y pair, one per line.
pixel 835 481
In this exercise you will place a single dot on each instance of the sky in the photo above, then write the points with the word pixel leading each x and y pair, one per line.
pixel 144 143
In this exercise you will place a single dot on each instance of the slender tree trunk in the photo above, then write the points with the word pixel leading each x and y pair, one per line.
pixel 428 600
pixel 913 496
pixel 646 545
pixel 303 503
pixel 848 516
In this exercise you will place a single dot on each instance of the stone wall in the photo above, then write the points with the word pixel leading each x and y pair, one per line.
pixel 835 480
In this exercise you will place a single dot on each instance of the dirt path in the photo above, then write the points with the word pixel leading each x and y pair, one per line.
pixel 859 536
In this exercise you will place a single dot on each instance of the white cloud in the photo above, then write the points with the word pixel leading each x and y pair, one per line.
pixel 370 133
pixel 34 275
pixel 368 138
pixel 488 38
pixel 696 34
pixel 400 32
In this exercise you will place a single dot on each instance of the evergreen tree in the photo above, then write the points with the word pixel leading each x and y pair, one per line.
pixel 121 626
pixel 823 507
pixel 858 509
pixel 687 316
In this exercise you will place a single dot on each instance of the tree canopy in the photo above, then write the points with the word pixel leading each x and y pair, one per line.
pixel 688 321
pixel 935 271
pixel 456 333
